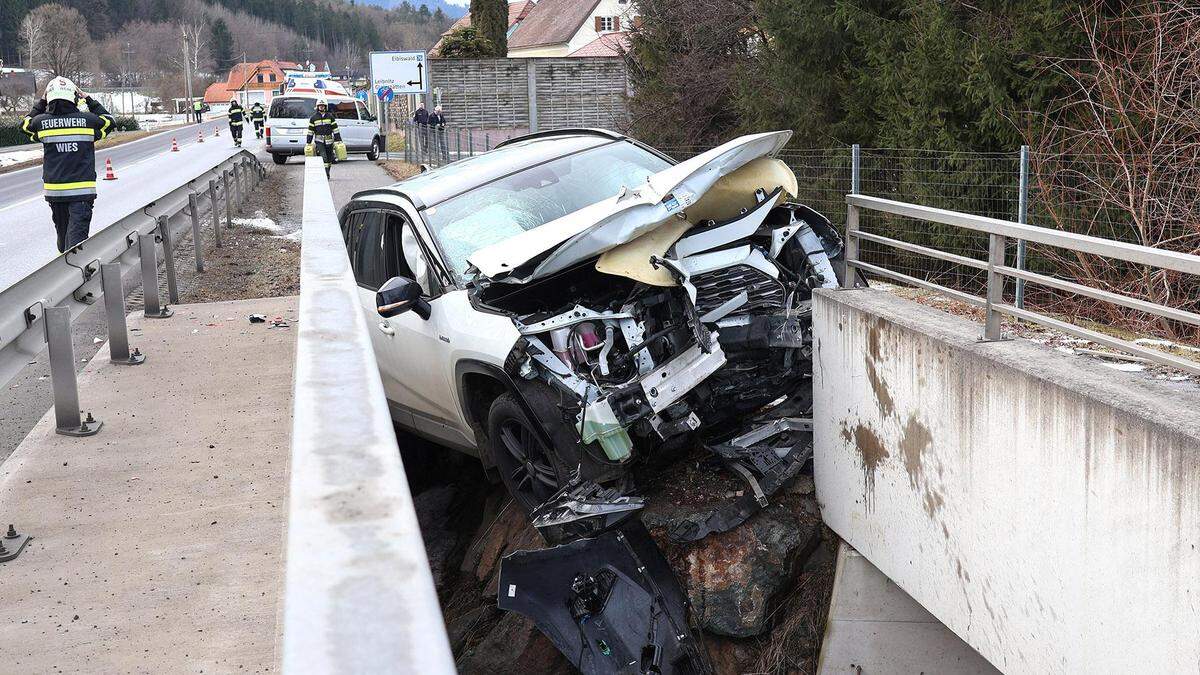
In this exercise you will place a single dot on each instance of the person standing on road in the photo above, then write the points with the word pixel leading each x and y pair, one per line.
pixel 68 136
pixel 237 116
pixel 258 115
pixel 197 110
pixel 437 125
pixel 324 136
pixel 421 120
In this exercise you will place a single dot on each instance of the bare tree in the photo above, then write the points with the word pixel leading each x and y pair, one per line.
pixel 1120 156
pixel 66 49
pixel 33 30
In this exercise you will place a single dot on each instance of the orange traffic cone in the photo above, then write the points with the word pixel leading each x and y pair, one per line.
pixel 201 138
pixel 174 145
pixel 108 170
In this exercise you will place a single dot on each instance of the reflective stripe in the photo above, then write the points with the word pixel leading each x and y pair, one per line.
pixel 26 129
pixel 64 138
pixel 56 192
pixel 70 186
pixel 69 131
pixel 108 122
pixel 234 124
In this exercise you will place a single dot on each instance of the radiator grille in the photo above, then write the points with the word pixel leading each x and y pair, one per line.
pixel 719 286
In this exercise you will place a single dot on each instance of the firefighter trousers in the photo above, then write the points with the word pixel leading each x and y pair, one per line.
pixel 72 220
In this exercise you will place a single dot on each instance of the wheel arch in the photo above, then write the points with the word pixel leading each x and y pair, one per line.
pixel 479 384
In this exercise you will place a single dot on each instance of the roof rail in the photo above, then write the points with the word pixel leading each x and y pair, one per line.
pixel 565 131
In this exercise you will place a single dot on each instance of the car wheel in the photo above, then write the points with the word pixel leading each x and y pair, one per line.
pixel 278 158
pixel 526 465
pixel 373 153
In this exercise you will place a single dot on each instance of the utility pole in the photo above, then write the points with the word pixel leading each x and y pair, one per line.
pixel 128 52
pixel 187 65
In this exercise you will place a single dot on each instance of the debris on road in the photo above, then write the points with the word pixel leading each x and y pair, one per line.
pixel 258 318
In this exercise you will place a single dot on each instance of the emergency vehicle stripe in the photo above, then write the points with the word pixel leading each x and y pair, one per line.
pixel 69 131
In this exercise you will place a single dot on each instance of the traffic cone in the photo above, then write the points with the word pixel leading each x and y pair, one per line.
pixel 201 137
pixel 174 145
pixel 108 170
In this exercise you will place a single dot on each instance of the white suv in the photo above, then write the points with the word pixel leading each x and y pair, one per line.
pixel 574 301
pixel 287 125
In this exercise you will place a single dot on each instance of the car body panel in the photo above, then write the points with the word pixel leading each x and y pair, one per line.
pixel 287 134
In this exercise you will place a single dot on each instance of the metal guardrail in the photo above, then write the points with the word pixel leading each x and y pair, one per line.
pixel 359 596
pixel 38 310
pixel 436 146
pixel 999 232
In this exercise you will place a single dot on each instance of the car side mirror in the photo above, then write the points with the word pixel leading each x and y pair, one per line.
pixel 399 295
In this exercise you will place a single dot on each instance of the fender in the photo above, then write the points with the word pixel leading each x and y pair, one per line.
pixel 471 366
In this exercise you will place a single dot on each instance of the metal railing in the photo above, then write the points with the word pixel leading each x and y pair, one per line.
pixel 37 310
pixel 998 271
pixel 436 146
pixel 359 595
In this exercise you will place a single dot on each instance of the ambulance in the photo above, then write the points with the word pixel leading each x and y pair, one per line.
pixel 287 118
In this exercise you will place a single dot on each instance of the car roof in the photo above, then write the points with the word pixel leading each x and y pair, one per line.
pixel 437 185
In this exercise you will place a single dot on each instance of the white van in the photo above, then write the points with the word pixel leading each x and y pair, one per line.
pixel 287 125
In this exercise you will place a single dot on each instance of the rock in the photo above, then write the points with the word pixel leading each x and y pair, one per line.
pixel 461 628
pixel 727 655
pixel 433 514
pixel 802 485
pixel 497 537
pixel 515 645
pixel 732 577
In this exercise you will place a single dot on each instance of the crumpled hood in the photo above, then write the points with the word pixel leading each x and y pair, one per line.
pixel 634 211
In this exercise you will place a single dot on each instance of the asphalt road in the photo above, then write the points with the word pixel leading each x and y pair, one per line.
pixel 27 239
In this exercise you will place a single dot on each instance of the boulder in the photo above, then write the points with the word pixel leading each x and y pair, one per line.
pixel 433 514
pixel 515 645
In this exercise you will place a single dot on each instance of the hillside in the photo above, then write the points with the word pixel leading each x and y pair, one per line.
pixel 450 9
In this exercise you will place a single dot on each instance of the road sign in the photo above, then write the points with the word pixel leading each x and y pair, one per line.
pixel 385 94
pixel 404 72
pixel 360 95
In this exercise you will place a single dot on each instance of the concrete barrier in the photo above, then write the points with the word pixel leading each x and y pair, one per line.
pixel 1044 507
pixel 359 596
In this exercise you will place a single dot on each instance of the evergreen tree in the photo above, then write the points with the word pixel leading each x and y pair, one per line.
pixel 490 18
pixel 221 46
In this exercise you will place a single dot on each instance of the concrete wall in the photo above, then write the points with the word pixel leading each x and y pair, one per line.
pixel 496 93
pixel 1044 507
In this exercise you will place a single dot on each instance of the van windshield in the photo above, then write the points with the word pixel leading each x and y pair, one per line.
pixel 292 108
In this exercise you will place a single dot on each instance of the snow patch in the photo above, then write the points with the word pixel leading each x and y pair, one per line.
pixel 259 222
pixel 18 156
pixel 1125 367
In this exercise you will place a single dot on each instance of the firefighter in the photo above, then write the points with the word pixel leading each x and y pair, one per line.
pixel 258 115
pixel 197 109
pixel 323 132
pixel 237 115
pixel 68 136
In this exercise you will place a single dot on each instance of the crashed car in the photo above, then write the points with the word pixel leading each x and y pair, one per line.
pixel 574 302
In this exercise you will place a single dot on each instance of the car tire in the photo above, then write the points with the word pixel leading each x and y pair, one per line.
pixel 373 153
pixel 512 437
pixel 278 158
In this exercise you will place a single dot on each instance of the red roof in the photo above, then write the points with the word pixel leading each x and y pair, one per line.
pixel 242 75
pixel 608 44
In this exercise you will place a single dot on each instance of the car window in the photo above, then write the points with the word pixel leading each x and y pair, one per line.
pixel 531 198
pixel 344 110
pixel 363 113
pixel 370 255
pixel 292 108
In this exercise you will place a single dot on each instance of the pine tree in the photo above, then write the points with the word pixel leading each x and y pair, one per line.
pixel 490 18
pixel 221 47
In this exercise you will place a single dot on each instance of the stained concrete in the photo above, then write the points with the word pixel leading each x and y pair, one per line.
pixel 875 627
pixel 158 542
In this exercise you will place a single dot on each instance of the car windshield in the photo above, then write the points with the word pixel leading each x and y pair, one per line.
pixel 292 108
pixel 531 198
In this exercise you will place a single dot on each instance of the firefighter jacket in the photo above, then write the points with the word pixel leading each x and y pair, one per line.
pixel 68 139
pixel 324 128
pixel 237 115
pixel 257 113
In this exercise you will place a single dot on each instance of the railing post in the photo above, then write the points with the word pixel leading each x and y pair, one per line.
pixel 458 143
pixel 149 255
pixel 67 417
pixel 216 218
pixel 228 199
pixel 1023 218
pixel 408 141
pixel 850 251
pixel 194 210
pixel 487 142
pixel 164 232
pixel 995 287
pixel 114 311
pixel 470 141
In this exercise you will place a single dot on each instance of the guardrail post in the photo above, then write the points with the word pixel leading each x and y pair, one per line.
pixel 228 199
pixel 850 251
pixel 995 287
pixel 1022 217
pixel 114 311
pixel 194 210
pixel 216 218
pixel 149 255
pixel 164 233
pixel 67 417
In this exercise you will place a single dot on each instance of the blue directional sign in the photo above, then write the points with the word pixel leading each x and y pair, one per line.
pixel 385 94
pixel 361 95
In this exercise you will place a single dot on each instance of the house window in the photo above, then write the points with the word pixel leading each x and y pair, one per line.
pixel 272 76
pixel 260 77
pixel 607 23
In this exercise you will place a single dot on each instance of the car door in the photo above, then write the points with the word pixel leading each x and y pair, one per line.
pixel 349 125
pixel 413 353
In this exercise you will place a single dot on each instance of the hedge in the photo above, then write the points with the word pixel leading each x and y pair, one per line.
pixel 11 134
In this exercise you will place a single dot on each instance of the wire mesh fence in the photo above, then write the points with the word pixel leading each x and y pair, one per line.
pixel 1083 195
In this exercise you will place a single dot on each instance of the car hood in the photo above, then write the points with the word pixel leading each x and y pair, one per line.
pixel 632 212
